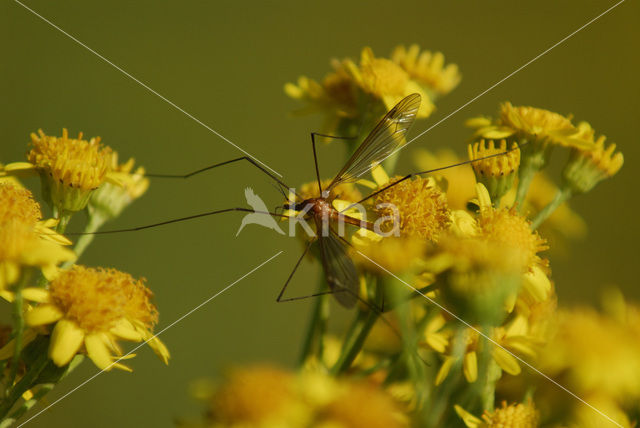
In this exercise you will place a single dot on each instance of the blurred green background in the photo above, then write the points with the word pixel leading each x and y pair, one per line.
pixel 226 63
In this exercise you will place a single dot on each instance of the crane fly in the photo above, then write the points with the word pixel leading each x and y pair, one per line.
pixel 339 270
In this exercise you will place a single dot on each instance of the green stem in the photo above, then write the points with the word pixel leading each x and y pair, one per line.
pixel 317 325
pixel 561 197
pixel 24 384
pixel 356 336
pixel 525 176
pixel 420 292
pixel 487 378
pixel 534 158
pixel 18 329
pixel 95 222
pixel 27 405
pixel 63 222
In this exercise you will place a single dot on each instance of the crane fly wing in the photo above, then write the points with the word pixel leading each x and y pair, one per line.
pixel 339 269
pixel 385 138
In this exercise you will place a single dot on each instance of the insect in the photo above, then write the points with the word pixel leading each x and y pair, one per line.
pixel 339 269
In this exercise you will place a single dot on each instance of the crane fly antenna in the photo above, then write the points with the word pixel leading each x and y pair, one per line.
pixel 210 167
pixel 280 190
pixel 430 171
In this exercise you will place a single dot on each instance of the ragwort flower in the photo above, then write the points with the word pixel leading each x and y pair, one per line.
pixel 587 167
pixel 22 247
pixel 416 206
pixel 495 167
pixel 91 309
pixel 70 168
pixel 517 415
pixel 428 69
pixel 385 80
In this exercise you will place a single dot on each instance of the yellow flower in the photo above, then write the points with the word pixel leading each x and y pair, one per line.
pixel 420 204
pixel 427 68
pixel 17 203
pixel 514 338
pixel 91 309
pixel 21 246
pixel 530 124
pixel 393 254
pixel 70 168
pixel 505 226
pixel 585 417
pixel 478 276
pixel 258 395
pixel 363 405
pixel 589 166
pixel 262 395
pixel 109 199
pixel 386 80
pixel 508 228
pixel 596 353
pixel 460 180
pixel 520 415
pixel 335 96
pixel 498 172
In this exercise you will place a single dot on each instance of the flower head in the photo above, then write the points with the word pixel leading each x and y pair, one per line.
pixel 596 353
pixel 17 203
pixel 21 247
pixel 478 276
pixel 589 166
pixel 427 68
pixel 385 80
pixel 394 254
pixel 495 167
pixel 257 395
pixel 518 415
pixel 109 200
pixel 540 129
pixel 507 228
pixel 93 308
pixel 420 205
pixel 70 168
pixel 262 395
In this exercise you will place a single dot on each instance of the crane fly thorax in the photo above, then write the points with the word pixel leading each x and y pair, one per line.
pixel 318 207
pixel 314 207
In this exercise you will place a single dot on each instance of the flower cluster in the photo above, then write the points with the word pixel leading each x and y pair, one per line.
pixel 63 310
pixel 354 95
pixel 265 395
pixel 459 304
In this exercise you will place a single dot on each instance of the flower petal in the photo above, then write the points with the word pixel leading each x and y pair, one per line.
pixel 125 330
pixel 444 369
pixel 43 314
pixel 380 175
pixel 98 351
pixel 506 361
pixel 36 294
pixel 66 340
pixel 470 366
